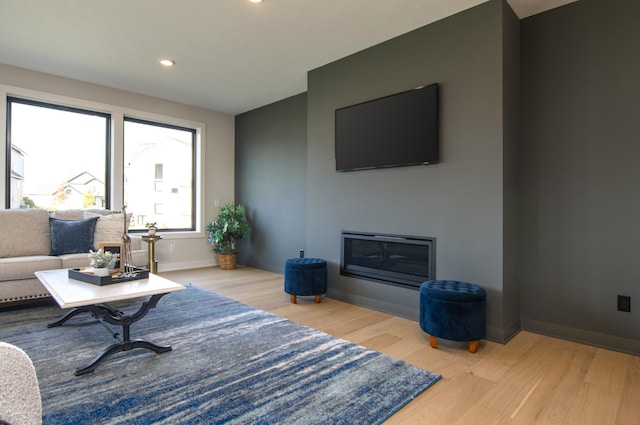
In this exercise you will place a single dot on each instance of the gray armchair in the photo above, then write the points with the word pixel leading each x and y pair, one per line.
pixel 20 402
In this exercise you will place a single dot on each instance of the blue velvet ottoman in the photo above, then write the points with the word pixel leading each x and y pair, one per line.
pixel 453 310
pixel 305 276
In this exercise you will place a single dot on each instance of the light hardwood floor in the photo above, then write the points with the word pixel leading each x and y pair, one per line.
pixel 533 379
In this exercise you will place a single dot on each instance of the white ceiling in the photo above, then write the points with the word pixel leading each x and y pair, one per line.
pixel 231 55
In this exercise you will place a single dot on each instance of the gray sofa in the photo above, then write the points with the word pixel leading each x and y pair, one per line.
pixel 30 242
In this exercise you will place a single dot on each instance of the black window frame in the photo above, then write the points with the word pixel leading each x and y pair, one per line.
pixel 194 161
pixel 108 141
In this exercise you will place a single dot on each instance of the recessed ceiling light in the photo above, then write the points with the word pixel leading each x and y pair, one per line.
pixel 167 62
pixel 255 1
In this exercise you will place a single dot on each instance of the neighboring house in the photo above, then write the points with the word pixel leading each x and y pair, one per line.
pixel 169 199
pixel 80 191
pixel 17 175
pixel 84 189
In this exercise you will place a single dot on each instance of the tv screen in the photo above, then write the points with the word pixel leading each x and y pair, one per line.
pixel 392 131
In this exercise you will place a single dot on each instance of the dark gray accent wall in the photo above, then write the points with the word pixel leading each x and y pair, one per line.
pixel 580 175
pixel 271 180
pixel 536 195
pixel 511 134
pixel 459 201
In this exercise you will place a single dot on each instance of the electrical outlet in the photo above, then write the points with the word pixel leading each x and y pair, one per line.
pixel 624 303
pixel 172 247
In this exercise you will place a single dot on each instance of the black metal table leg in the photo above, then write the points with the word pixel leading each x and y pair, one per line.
pixel 67 316
pixel 117 348
pixel 108 314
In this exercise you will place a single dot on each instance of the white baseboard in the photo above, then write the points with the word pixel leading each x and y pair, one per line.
pixel 167 267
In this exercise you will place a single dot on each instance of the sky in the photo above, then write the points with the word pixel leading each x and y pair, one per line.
pixel 58 145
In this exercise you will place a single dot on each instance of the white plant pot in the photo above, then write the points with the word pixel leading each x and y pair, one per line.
pixel 152 232
pixel 101 271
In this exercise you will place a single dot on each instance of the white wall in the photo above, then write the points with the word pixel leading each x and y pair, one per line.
pixel 191 249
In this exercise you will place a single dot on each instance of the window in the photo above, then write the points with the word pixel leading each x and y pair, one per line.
pixel 159 187
pixel 159 174
pixel 159 171
pixel 92 155
pixel 57 156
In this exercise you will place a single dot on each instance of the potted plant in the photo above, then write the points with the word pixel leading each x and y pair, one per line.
pixel 102 261
pixel 230 226
pixel 152 228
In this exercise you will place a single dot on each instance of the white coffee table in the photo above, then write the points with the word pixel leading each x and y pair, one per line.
pixel 87 297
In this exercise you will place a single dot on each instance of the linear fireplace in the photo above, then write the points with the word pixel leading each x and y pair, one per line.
pixel 397 259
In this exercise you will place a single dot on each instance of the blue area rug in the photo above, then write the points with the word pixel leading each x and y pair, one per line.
pixel 230 364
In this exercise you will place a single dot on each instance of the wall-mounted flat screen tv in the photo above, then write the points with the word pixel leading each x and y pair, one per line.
pixel 392 131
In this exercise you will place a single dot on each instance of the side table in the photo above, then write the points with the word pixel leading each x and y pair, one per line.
pixel 151 240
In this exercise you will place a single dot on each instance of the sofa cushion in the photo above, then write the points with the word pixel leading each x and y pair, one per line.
pixel 72 236
pixel 73 261
pixel 24 232
pixel 109 228
pixel 68 214
pixel 17 268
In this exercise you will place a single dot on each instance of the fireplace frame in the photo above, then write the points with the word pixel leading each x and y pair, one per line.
pixel 388 275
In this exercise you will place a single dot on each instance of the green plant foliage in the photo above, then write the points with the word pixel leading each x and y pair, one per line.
pixel 230 226
pixel 101 258
pixel 28 202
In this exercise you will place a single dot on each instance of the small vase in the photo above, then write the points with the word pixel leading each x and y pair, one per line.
pixel 152 232
pixel 101 271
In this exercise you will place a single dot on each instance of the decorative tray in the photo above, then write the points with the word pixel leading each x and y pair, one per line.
pixel 116 277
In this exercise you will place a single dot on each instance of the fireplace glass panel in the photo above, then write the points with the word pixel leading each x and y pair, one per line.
pixel 404 260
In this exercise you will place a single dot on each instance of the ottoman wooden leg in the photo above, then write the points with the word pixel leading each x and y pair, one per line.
pixel 433 341
pixel 294 300
pixel 318 298
pixel 473 346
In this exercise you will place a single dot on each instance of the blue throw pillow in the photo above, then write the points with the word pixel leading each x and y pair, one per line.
pixel 72 236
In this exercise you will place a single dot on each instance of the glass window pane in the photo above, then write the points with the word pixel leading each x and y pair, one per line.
pixel 159 174
pixel 159 171
pixel 58 156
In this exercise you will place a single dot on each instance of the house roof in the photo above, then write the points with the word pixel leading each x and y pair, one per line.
pixel 231 55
